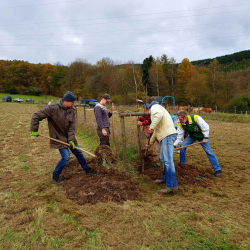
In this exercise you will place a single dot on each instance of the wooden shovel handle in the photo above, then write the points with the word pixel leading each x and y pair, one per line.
pixel 67 144
pixel 189 145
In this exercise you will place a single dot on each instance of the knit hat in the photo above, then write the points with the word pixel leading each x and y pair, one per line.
pixel 69 97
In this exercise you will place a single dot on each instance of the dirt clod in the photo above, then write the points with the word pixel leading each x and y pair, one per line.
pixel 109 185
pixel 185 174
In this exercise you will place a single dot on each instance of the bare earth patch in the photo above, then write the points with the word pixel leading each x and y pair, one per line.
pixel 109 185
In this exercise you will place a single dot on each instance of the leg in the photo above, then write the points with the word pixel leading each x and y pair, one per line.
pixel 167 150
pixel 78 154
pixel 211 156
pixel 157 151
pixel 186 142
pixel 104 140
pixel 61 164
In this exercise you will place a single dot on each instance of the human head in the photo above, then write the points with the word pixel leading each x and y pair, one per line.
pixel 69 99
pixel 105 99
pixel 182 115
pixel 51 100
pixel 150 99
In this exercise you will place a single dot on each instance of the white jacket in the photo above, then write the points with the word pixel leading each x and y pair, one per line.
pixel 161 123
pixel 200 122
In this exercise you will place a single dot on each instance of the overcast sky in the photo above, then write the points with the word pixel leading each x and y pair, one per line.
pixel 51 31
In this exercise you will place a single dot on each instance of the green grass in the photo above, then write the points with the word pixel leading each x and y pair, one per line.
pixel 35 98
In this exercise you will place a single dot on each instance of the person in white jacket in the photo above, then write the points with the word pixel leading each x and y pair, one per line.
pixel 198 130
pixel 164 131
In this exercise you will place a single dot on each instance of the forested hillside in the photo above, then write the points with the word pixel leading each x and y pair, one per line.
pixel 212 85
pixel 237 57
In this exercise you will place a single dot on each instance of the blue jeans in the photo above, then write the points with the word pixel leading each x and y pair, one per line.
pixel 167 150
pixel 206 146
pixel 65 158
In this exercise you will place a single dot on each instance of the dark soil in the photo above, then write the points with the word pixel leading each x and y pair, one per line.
pixel 109 185
pixel 185 174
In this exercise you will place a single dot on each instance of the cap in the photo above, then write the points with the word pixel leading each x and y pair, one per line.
pixel 106 97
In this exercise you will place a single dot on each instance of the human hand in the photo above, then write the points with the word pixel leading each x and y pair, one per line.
pixel 151 131
pixel 104 132
pixel 204 140
pixel 72 145
pixel 147 146
pixel 139 123
pixel 35 133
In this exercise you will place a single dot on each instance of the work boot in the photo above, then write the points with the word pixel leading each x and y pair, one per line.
pixel 91 171
pixel 159 181
pixel 56 179
pixel 218 173
pixel 167 190
pixel 175 189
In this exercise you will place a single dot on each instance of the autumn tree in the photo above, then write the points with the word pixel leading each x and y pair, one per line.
pixel 146 65
pixel 184 73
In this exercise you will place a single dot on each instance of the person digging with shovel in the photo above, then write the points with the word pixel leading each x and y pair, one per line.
pixel 61 123
pixel 198 130
pixel 164 131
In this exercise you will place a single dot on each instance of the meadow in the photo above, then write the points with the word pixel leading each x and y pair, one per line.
pixel 36 214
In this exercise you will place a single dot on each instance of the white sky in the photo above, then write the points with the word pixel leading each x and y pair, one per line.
pixel 50 31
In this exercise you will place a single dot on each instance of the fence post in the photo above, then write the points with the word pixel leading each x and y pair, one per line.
pixel 199 110
pixel 241 112
pixel 84 111
pixel 234 110
pixel 216 108
pixel 246 113
pixel 124 146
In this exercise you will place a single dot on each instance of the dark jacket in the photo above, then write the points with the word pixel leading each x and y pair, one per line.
pixel 102 116
pixel 61 123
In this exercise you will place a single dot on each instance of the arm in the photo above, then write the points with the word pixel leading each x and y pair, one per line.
pixel 39 116
pixel 180 134
pixel 153 139
pixel 98 116
pixel 158 114
pixel 71 132
pixel 204 127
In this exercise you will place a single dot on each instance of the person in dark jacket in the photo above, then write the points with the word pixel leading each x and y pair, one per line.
pixel 102 116
pixel 61 123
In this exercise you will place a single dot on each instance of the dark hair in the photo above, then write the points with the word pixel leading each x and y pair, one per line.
pixel 151 99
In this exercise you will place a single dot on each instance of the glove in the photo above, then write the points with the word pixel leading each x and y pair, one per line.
pixel 35 133
pixel 72 145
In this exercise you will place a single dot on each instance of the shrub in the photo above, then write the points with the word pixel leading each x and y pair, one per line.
pixel 242 103
pixel 12 90
pixel 32 91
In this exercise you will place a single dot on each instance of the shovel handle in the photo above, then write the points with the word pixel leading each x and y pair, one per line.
pixel 67 144
pixel 189 145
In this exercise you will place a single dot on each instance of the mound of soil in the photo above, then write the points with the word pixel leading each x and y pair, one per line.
pixel 109 185
pixel 185 174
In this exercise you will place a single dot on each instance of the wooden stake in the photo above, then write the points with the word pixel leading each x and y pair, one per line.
pixel 124 146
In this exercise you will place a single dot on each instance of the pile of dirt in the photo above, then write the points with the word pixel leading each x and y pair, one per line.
pixel 147 158
pixel 104 154
pixel 109 185
pixel 185 174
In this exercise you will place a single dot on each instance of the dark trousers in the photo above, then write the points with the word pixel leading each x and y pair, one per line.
pixel 104 140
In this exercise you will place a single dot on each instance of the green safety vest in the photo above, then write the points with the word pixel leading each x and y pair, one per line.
pixel 192 129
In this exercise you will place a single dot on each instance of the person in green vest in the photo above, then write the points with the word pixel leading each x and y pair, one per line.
pixel 197 130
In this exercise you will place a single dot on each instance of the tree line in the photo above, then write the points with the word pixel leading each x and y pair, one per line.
pixel 205 86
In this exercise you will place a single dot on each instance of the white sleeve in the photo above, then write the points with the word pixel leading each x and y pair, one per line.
pixel 203 126
pixel 180 134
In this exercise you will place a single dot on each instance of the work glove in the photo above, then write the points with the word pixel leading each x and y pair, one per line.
pixel 35 133
pixel 72 145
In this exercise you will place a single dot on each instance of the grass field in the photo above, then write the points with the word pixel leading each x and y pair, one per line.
pixel 25 97
pixel 35 213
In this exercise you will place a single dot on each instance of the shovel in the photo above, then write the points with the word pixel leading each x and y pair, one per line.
pixel 188 146
pixel 67 144
pixel 148 143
